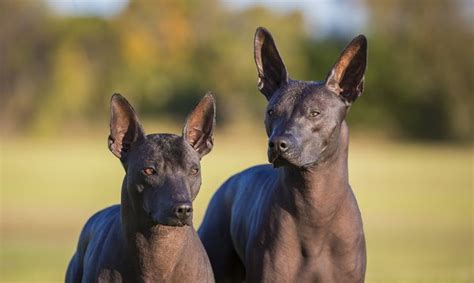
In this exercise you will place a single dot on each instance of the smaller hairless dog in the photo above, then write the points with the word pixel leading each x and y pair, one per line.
pixel 149 237
pixel 299 221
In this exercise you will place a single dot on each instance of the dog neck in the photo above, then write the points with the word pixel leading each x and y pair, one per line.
pixel 318 192
pixel 154 250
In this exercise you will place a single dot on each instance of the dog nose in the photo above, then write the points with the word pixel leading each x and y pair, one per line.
pixel 183 211
pixel 279 143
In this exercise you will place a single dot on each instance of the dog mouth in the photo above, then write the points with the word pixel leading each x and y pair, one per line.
pixel 279 160
pixel 170 221
pixel 288 159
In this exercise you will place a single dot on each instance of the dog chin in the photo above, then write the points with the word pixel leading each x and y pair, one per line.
pixel 310 164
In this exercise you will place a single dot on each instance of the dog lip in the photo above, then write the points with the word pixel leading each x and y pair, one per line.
pixel 279 159
pixel 272 157
pixel 170 224
pixel 177 224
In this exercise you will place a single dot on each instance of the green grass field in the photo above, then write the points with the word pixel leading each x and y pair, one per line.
pixel 416 202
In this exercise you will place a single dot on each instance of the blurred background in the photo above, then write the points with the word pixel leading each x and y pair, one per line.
pixel 411 158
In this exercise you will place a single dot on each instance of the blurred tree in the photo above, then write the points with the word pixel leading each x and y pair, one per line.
pixel 26 36
pixel 421 67
pixel 58 72
pixel 157 44
pixel 84 60
pixel 175 51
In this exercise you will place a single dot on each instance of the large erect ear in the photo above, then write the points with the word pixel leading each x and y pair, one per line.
pixel 199 128
pixel 125 129
pixel 347 76
pixel 272 72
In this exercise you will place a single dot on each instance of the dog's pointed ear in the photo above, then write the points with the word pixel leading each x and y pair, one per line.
pixel 199 128
pixel 346 78
pixel 125 129
pixel 272 73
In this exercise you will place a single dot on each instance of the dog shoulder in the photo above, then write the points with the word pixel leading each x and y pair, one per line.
pixel 97 223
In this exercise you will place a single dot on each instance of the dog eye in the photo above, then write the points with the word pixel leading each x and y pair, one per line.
pixel 314 113
pixel 149 171
pixel 270 112
pixel 194 171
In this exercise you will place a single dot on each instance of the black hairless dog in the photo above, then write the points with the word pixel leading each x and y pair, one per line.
pixel 149 237
pixel 298 221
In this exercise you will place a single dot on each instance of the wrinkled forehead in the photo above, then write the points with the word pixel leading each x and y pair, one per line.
pixel 167 150
pixel 300 93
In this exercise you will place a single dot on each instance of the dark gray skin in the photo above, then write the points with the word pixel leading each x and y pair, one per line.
pixel 149 237
pixel 298 221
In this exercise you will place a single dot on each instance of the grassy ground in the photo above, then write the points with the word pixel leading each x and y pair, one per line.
pixel 416 202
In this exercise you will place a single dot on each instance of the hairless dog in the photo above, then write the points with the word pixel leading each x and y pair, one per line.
pixel 149 237
pixel 298 221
